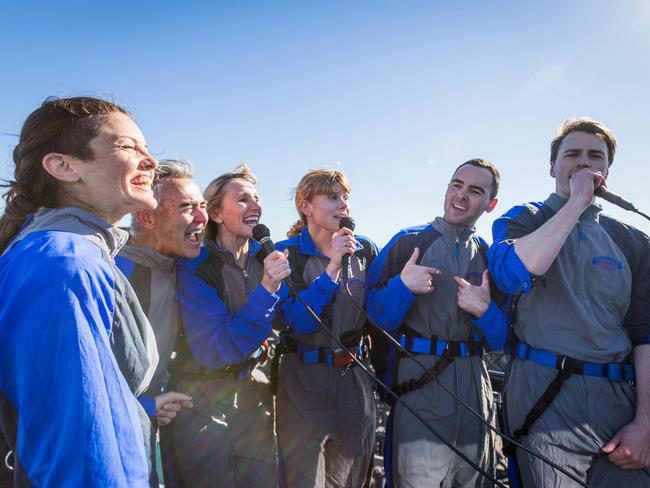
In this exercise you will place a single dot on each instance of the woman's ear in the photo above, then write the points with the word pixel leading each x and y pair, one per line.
pixel 305 208
pixel 61 167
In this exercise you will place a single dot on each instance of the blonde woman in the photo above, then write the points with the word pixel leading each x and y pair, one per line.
pixel 227 297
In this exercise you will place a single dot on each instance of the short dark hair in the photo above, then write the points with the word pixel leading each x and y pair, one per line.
pixel 588 125
pixel 485 164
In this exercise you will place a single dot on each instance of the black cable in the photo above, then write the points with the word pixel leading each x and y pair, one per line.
pixel 641 214
pixel 392 393
pixel 459 400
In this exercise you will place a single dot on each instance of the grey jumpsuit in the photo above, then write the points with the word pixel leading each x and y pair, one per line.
pixel 593 304
pixel 418 458
pixel 325 417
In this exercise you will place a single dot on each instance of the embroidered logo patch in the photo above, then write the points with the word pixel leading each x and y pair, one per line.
pixel 605 262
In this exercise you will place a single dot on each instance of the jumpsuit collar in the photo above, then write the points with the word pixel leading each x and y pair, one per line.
pixel 148 257
pixel 555 202
pixel 110 239
pixel 446 229
pixel 253 248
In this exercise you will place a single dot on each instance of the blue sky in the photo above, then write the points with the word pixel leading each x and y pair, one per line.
pixel 394 93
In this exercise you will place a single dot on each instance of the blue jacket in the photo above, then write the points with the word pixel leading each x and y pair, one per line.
pixel 74 417
pixel 226 312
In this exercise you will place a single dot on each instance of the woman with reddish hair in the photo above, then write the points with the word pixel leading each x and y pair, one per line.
pixel 325 406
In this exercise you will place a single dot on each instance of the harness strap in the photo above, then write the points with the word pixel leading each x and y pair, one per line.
pixel 447 350
pixel 309 354
pixel 566 367
pixel 439 347
pixel 614 371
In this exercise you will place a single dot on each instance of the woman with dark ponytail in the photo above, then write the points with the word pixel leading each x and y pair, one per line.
pixel 66 410
pixel 325 407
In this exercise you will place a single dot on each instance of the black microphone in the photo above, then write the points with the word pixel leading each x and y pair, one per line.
pixel 612 197
pixel 348 223
pixel 262 234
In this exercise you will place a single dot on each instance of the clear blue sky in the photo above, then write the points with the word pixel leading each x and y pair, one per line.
pixel 394 93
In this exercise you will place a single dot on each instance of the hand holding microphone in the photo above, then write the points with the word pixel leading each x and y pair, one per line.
pixel 276 265
pixel 347 224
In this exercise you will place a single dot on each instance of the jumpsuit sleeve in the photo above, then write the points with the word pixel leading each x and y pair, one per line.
pixel 388 298
pixel 77 419
pixel 494 324
pixel 637 318
pixel 149 404
pixel 506 268
pixel 217 337
pixel 319 292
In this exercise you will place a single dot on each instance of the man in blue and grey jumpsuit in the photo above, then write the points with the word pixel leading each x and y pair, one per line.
pixel 582 322
pixel 430 285
pixel 158 237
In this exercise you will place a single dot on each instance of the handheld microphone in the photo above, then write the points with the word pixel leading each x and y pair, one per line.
pixel 612 197
pixel 262 234
pixel 348 223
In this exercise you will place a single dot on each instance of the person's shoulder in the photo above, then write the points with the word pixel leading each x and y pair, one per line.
pixel 528 208
pixel 192 264
pixel 624 230
pixel 58 262
pixel 287 243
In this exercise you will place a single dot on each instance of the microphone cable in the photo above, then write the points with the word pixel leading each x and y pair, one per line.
pixel 459 400
pixel 391 392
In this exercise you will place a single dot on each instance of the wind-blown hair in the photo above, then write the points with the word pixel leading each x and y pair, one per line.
pixel 59 125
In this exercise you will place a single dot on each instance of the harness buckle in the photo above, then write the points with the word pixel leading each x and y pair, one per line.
pixel 9 466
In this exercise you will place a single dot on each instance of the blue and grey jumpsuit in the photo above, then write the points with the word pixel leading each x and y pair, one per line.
pixel 153 278
pixel 592 305
pixel 325 412
pixel 227 439
pixel 414 457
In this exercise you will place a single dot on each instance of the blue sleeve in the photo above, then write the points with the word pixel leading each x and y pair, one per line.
pixel 149 404
pixel 319 292
pixel 388 298
pixel 494 324
pixel 507 270
pixel 59 372
pixel 217 337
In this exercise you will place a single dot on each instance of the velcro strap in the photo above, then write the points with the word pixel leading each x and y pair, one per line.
pixel 613 371
pixel 440 347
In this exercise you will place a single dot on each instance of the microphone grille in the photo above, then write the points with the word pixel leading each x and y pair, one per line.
pixel 347 222
pixel 260 231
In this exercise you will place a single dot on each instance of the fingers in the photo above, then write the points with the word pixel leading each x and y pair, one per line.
pixel 177 397
pixel 431 271
pixel 414 257
pixel 461 282
pixel 611 445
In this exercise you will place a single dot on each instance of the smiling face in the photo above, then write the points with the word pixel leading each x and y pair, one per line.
pixel 468 196
pixel 326 210
pixel 118 178
pixel 578 150
pixel 239 210
pixel 180 218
